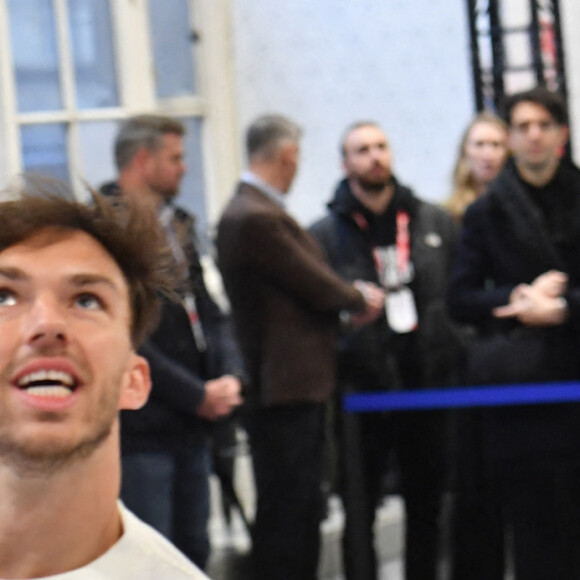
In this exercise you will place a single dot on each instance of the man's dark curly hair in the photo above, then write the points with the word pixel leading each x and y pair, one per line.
pixel 129 232
pixel 552 101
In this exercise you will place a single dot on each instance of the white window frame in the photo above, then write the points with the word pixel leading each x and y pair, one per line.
pixel 135 70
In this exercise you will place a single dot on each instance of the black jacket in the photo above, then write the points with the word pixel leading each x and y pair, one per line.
pixel 508 239
pixel 366 354
pixel 179 369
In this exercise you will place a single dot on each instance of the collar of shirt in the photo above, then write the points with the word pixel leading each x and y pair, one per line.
pixel 165 214
pixel 271 192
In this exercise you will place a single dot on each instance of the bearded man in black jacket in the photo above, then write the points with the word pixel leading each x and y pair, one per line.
pixel 517 281
pixel 378 230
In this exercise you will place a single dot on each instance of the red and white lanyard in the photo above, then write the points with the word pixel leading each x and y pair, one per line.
pixel 403 243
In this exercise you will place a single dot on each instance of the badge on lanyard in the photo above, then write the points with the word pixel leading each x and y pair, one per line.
pixel 395 270
pixel 401 310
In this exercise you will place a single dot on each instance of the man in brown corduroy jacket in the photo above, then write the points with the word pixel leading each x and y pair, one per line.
pixel 286 303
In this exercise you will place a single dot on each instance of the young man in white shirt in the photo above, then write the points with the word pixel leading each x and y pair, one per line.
pixel 78 293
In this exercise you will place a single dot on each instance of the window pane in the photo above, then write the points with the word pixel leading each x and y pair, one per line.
pixel 192 196
pixel 35 56
pixel 93 54
pixel 172 48
pixel 97 142
pixel 44 150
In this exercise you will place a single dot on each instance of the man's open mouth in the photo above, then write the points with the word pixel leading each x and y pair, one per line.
pixel 48 383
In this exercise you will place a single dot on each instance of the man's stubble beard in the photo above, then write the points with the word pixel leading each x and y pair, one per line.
pixel 161 190
pixel 537 166
pixel 369 185
pixel 372 186
pixel 44 458
pixel 28 462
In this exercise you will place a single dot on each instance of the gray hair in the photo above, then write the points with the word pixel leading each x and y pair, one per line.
pixel 143 132
pixel 265 135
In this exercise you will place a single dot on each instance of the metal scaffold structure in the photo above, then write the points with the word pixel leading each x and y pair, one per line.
pixel 515 44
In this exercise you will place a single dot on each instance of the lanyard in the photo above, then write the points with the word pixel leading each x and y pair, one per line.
pixel 191 307
pixel 389 274
pixel 403 242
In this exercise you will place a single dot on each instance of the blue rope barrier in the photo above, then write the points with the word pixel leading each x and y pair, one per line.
pixel 495 396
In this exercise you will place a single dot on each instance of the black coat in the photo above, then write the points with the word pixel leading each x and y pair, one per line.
pixel 365 353
pixel 179 369
pixel 509 239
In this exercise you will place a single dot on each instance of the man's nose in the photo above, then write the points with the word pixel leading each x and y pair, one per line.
pixel 47 322
pixel 376 154
pixel 535 130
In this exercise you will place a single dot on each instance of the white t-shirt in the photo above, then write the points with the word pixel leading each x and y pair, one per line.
pixel 140 554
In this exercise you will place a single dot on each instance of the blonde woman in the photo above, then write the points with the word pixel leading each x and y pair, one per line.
pixel 482 153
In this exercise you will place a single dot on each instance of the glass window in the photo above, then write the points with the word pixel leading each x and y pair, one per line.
pixel 97 157
pixel 192 196
pixel 35 55
pixel 44 150
pixel 81 66
pixel 92 50
pixel 172 48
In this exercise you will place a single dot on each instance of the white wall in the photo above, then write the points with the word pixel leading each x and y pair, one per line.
pixel 327 63
pixel 570 16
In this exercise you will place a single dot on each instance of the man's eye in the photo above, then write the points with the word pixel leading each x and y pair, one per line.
pixel 89 301
pixel 7 297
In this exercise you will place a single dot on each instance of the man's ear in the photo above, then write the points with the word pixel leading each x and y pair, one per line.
pixel 136 384
pixel 143 159
pixel 564 136
pixel 289 152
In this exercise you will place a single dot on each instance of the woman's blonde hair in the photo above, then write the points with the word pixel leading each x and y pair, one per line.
pixel 465 188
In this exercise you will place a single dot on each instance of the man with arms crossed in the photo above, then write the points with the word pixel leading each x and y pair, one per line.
pixel 285 305
pixel 77 297
pixel 517 281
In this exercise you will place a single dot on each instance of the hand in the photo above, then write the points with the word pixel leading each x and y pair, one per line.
pixel 532 307
pixel 375 303
pixel 222 395
pixel 552 283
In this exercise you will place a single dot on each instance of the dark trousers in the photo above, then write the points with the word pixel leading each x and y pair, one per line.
pixel 544 513
pixel 287 445
pixel 419 442
pixel 477 551
pixel 521 501
pixel 170 491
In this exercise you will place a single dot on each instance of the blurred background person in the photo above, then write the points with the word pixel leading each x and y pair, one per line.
pixel 194 361
pixel 482 152
pixel 516 280
pixel 286 302
pixel 377 230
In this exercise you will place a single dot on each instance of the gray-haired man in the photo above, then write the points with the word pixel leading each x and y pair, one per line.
pixel 285 305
